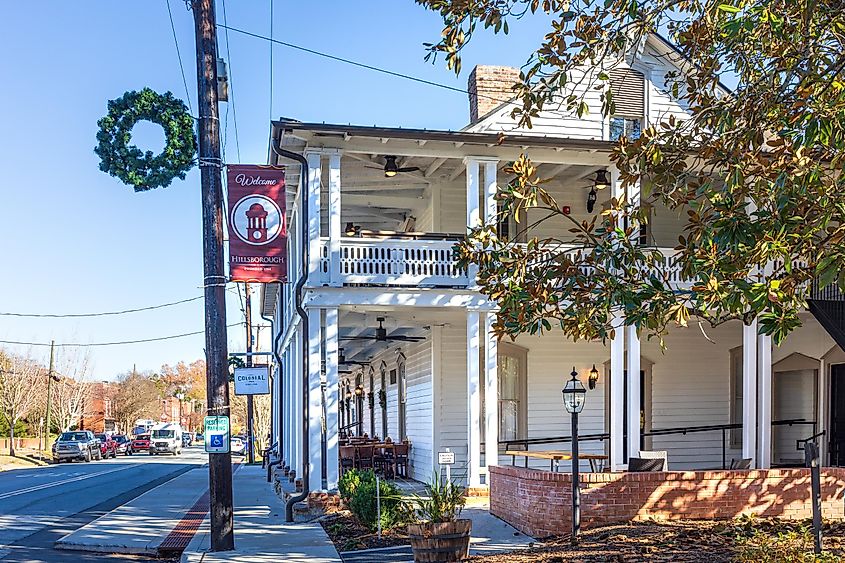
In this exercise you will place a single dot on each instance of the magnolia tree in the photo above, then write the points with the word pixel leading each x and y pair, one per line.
pixel 757 172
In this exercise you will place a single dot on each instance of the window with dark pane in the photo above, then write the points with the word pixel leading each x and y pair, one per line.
pixel 628 89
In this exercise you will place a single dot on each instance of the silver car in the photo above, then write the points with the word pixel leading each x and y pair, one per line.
pixel 80 444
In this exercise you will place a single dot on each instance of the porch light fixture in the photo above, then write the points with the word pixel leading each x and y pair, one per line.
pixel 601 182
pixel 359 390
pixel 348 394
pixel 351 230
pixel 594 377
pixel 574 396
pixel 591 200
pixel 390 167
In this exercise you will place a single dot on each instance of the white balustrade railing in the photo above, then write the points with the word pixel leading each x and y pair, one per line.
pixel 415 262
pixel 401 262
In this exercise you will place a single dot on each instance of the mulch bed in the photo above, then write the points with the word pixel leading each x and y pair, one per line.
pixel 348 534
pixel 682 542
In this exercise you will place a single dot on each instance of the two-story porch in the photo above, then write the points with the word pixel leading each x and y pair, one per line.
pixel 380 244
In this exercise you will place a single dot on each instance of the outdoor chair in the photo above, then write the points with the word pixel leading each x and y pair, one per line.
pixel 380 460
pixel 657 454
pixel 744 463
pixel 347 458
pixel 400 459
pixel 638 464
pixel 365 457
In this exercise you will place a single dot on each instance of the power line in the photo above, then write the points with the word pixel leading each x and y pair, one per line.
pixel 104 314
pixel 91 345
pixel 351 62
pixel 231 92
pixel 270 141
pixel 179 56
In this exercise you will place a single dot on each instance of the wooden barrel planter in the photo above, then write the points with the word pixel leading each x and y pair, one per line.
pixel 436 542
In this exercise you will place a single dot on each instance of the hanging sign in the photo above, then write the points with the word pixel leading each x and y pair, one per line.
pixel 257 230
pixel 252 381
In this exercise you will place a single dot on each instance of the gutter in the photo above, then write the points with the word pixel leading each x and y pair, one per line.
pixel 275 146
pixel 278 359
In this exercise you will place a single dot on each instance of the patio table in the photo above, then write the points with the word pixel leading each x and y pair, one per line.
pixel 556 456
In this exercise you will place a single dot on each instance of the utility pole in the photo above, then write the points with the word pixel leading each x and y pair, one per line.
pixel 210 163
pixel 49 387
pixel 250 407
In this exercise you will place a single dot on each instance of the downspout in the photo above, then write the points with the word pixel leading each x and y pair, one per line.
pixel 279 398
pixel 300 283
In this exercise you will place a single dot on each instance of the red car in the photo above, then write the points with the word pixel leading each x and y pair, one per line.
pixel 108 447
pixel 141 443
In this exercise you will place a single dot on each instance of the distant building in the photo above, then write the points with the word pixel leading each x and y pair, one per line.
pixel 97 414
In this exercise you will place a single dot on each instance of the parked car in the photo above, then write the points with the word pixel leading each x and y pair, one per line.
pixel 108 447
pixel 141 443
pixel 81 444
pixel 166 439
pixel 237 446
pixel 123 444
pixel 199 438
pixel 186 439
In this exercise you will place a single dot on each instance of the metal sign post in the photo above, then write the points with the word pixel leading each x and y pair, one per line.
pixel 447 458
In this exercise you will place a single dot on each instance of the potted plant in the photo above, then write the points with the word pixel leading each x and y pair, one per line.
pixel 440 536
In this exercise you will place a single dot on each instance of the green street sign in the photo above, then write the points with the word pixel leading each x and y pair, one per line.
pixel 216 434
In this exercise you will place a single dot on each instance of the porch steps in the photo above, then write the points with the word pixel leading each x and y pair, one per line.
pixel 828 307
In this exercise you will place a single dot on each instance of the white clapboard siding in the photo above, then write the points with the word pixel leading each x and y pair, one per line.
pixel 452 424
pixel 691 387
pixel 418 405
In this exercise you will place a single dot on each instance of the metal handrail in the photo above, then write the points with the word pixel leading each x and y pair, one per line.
pixel 683 430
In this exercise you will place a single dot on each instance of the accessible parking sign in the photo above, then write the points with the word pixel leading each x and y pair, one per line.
pixel 217 434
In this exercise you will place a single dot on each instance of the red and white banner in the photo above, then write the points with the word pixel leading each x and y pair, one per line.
pixel 257 230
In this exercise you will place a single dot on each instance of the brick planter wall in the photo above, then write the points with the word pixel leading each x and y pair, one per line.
pixel 539 503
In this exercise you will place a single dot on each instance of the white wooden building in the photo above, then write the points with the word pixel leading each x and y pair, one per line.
pixel 380 248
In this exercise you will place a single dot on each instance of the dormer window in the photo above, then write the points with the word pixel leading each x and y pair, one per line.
pixel 628 89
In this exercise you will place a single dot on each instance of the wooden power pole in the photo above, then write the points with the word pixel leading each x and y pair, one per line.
pixel 250 406
pixel 211 166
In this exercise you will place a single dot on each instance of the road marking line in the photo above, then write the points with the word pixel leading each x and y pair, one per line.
pixel 56 483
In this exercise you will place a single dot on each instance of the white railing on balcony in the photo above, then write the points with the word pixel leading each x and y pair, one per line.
pixel 398 262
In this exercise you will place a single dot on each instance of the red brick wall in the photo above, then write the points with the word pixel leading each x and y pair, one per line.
pixel 538 503
pixel 489 87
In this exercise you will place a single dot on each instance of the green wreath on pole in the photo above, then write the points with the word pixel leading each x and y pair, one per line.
pixel 131 165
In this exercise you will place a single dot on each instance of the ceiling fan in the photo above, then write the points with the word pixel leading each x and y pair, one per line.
pixel 381 335
pixel 342 361
pixel 391 168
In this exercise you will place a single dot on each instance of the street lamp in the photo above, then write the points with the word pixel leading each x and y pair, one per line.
pixel 574 396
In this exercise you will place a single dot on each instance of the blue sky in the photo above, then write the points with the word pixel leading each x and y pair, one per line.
pixel 77 240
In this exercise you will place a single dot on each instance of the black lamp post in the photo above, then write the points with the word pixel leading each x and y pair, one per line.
pixel 574 396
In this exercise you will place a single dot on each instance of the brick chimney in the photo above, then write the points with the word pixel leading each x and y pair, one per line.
pixel 489 87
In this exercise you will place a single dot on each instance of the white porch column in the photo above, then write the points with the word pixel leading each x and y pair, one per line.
pixel 490 187
pixel 473 401
pixel 287 402
pixel 334 219
pixel 297 412
pixel 634 392
pixel 473 213
pixel 749 392
pixel 764 367
pixel 491 395
pixel 315 401
pixel 332 397
pixel 313 204
pixel 617 394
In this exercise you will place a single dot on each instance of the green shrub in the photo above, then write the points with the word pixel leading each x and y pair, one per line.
pixel 351 480
pixel 443 502
pixel 358 491
pixel 773 546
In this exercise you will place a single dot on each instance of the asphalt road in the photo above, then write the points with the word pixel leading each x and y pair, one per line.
pixel 40 505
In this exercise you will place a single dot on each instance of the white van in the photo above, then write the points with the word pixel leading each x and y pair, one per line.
pixel 166 439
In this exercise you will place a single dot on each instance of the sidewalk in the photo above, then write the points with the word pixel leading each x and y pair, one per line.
pixel 141 525
pixel 261 534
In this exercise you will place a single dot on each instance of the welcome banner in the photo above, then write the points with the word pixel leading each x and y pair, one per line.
pixel 257 229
